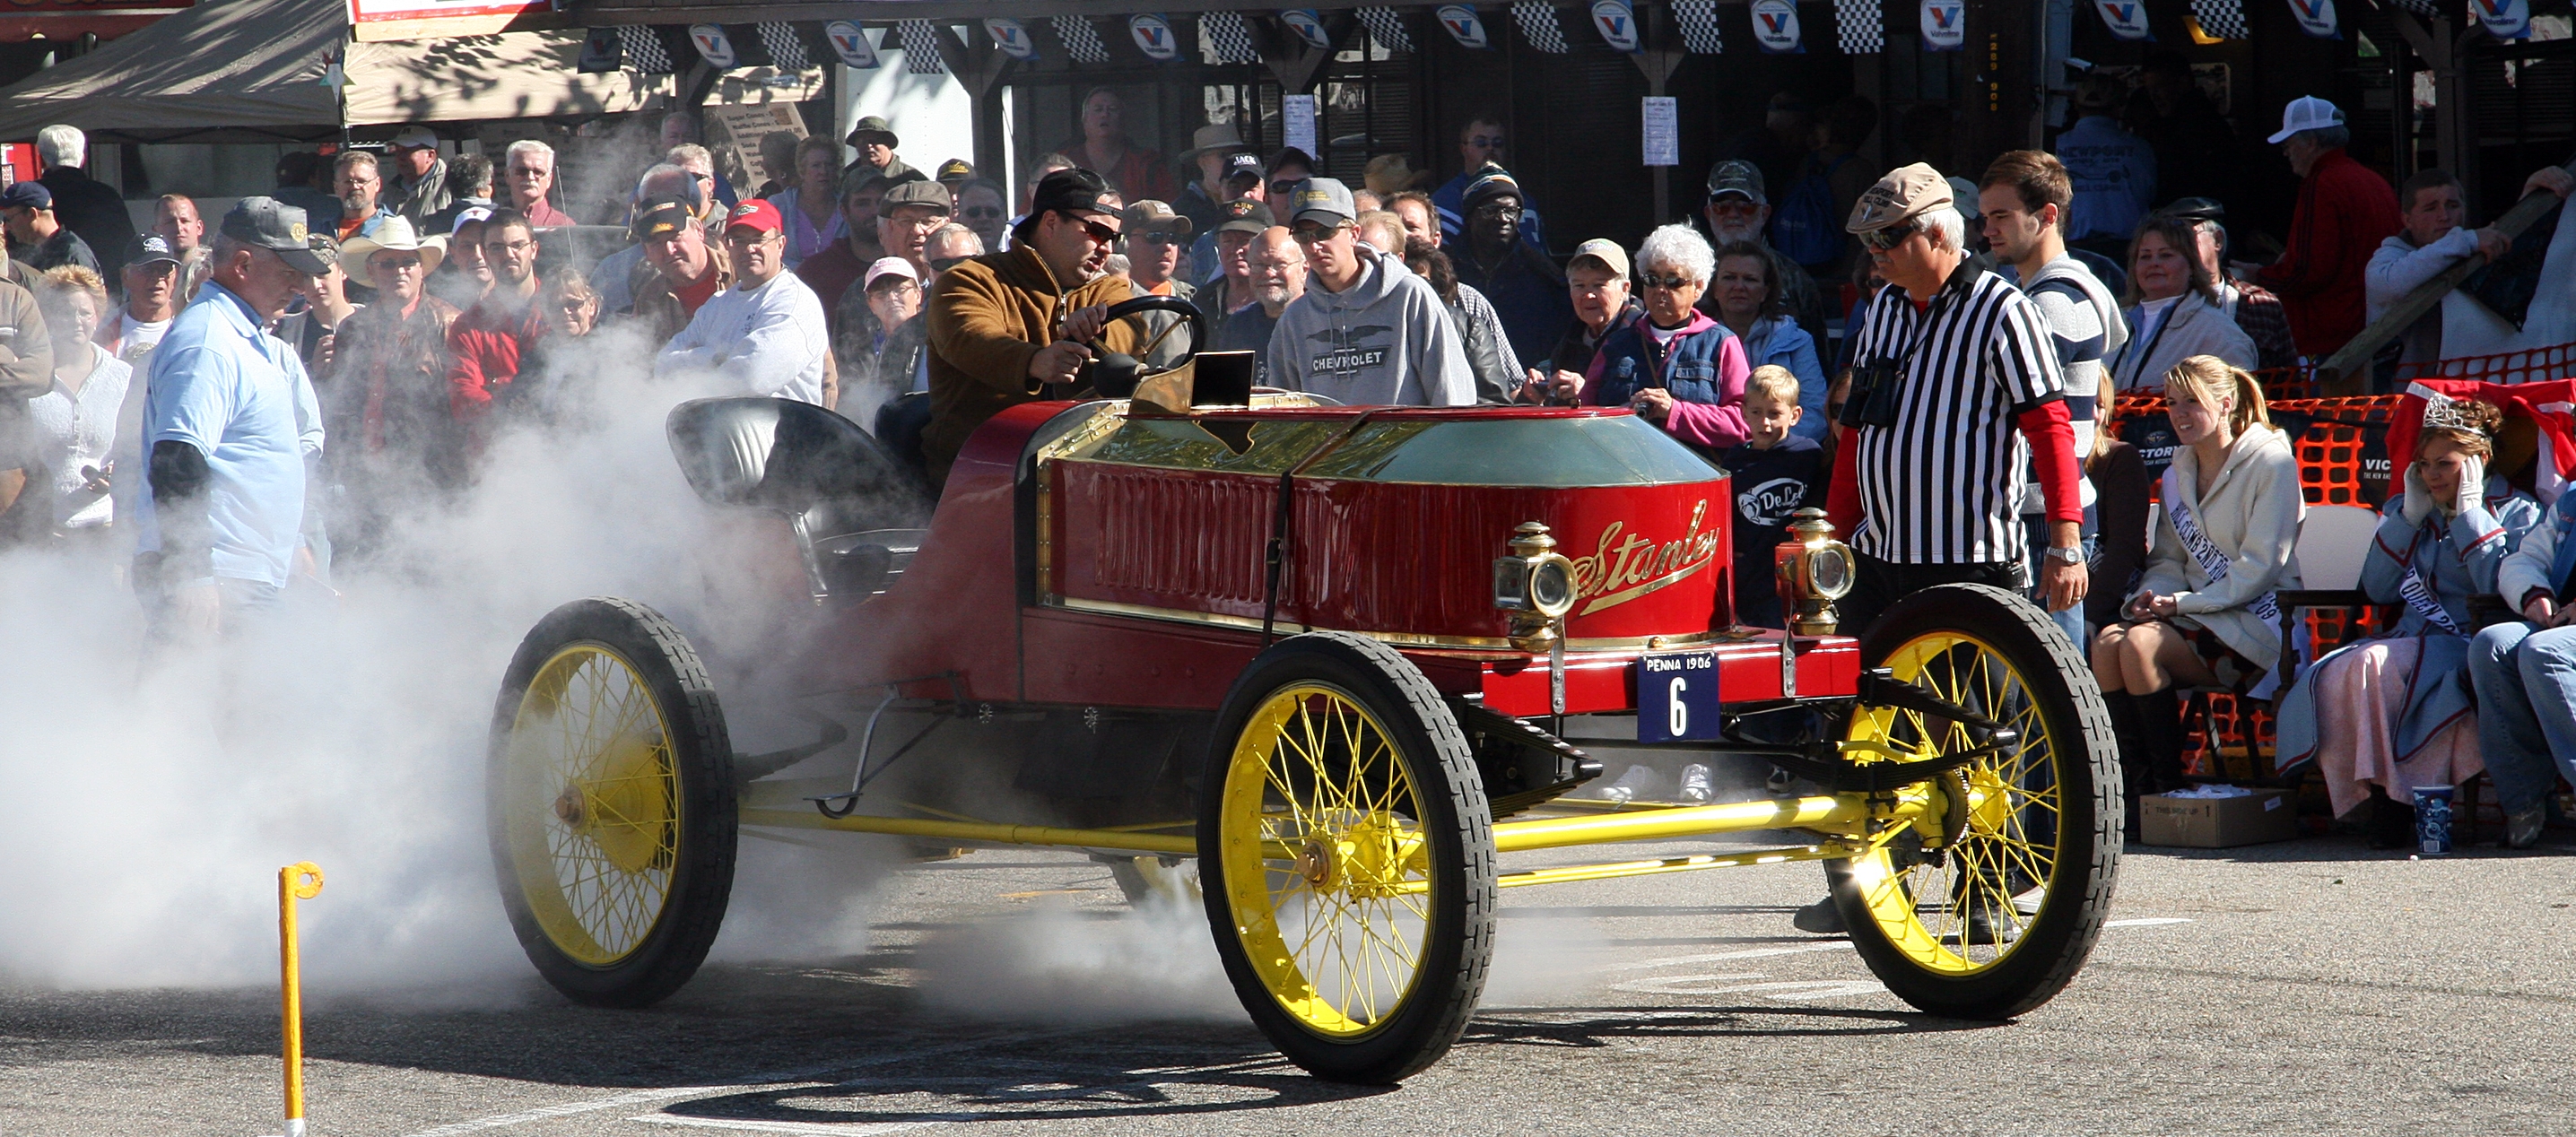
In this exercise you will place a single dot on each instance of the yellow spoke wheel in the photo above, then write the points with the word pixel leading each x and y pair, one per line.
pixel 612 816
pixel 1987 906
pixel 1347 858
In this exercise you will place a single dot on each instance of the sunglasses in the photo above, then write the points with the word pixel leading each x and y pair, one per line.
pixel 1668 283
pixel 1100 234
pixel 943 264
pixel 1312 234
pixel 985 212
pixel 1882 240
pixel 1498 209
pixel 1284 188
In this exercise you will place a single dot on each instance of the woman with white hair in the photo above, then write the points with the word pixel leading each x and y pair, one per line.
pixel 1677 367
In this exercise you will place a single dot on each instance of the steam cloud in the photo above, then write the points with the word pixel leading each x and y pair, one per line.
pixel 144 811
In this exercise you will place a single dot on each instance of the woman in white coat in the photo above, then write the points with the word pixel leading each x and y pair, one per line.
pixel 2173 309
pixel 2202 613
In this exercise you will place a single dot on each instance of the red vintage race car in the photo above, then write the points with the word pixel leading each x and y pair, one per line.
pixel 1330 653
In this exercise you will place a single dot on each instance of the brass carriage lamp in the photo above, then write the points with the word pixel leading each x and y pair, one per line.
pixel 1536 585
pixel 1815 570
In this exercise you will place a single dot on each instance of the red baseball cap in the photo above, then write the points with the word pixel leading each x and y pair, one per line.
pixel 756 214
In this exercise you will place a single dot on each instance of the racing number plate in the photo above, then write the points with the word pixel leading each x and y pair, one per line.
pixel 1677 696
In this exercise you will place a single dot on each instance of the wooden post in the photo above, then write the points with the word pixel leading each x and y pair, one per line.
pixel 2454 131
pixel 980 67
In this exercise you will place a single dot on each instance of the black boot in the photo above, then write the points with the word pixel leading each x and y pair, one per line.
pixel 2160 717
pixel 2126 732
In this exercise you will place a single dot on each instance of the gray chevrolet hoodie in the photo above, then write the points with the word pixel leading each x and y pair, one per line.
pixel 1385 340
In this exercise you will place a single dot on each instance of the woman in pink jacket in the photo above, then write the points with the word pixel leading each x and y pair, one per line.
pixel 1677 367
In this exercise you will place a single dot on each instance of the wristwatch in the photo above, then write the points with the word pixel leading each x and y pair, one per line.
pixel 2072 555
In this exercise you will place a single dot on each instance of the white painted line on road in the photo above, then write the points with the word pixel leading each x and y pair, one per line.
pixel 802 1074
pixel 2146 922
pixel 747 1126
pixel 1747 953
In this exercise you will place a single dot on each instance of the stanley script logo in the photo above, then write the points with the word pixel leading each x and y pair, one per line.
pixel 1624 566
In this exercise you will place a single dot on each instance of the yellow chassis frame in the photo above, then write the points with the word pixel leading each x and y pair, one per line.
pixel 1857 822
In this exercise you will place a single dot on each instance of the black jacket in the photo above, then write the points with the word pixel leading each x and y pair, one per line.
pixel 88 207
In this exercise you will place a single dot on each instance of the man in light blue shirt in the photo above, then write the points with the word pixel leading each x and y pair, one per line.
pixel 229 421
pixel 2114 171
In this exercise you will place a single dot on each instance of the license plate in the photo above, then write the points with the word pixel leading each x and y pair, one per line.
pixel 1677 696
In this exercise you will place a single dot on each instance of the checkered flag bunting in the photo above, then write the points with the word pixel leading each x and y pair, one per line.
pixel 2428 9
pixel 1537 19
pixel 1386 28
pixel 1226 36
pixel 2224 19
pixel 786 48
pixel 1859 28
pixel 1698 19
pixel 645 51
pixel 1081 40
pixel 921 48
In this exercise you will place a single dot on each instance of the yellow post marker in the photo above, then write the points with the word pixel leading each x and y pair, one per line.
pixel 299 881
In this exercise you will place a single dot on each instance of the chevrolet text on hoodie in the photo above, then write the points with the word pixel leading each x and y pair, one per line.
pixel 1384 341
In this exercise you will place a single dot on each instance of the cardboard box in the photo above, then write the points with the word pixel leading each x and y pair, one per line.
pixel 2217 822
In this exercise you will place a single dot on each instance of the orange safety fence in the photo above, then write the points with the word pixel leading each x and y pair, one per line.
pixel 2531 365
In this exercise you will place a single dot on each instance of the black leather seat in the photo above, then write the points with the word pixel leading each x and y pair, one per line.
pixel 855 509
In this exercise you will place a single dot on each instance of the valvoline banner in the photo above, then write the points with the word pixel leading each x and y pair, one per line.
pixel 1464 26
pixel 1945 24
pixel 1153 35
pixel 2317 18
pixel 851 43
pixel 1309 26
pixel 2127 19
pixel 1012 37
pixel 2504 19
pixel 1617 23
pixel 1775 26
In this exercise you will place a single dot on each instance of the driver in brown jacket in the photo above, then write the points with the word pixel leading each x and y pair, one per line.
pixel 1012 327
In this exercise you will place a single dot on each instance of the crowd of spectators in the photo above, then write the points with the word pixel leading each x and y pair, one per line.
pixel 1929 355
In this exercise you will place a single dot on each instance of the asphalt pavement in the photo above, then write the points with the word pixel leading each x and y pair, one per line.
pixel 2308 987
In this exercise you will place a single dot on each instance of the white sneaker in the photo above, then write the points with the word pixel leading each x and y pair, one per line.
pixel 1695 784
pixel 1638 780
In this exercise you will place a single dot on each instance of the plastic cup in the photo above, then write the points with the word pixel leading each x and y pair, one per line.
pixel 2433 820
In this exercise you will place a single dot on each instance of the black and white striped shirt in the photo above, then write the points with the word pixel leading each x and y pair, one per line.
pixel 1944 485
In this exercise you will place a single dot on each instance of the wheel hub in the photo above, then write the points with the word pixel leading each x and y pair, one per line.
pixel 1315 862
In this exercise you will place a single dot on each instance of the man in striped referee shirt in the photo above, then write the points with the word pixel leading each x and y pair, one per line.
pixel 1969 402
pixel 1956 400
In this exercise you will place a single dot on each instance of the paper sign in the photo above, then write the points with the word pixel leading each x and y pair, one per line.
pixel 2316 17
pixel 734 132
pixel 1297 122
pixel 1663 131
pixel 1945 24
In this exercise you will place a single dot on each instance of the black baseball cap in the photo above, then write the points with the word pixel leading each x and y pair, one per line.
pixel 659 216
pixel 146 248
pixel 1074 190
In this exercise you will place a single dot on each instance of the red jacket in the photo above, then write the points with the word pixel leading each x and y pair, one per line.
pixel 484 344
pixel 2345 210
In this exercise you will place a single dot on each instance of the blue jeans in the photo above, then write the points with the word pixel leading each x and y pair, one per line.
pixel 2070 621
pixel 2526 683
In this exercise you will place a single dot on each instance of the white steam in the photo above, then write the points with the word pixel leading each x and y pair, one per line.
pixel 144 811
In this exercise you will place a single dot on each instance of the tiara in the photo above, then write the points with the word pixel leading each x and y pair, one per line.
pixel 2442 412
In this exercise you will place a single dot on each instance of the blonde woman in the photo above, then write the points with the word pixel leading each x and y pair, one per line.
pixel 2202 613
pixel 2396 712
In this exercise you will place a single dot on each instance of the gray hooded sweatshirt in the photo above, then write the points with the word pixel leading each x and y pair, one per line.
pixel 1387 340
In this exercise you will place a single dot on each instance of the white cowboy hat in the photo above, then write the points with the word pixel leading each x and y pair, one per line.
pixel 395 235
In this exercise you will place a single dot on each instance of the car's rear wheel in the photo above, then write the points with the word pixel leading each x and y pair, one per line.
pixel 611 803
pixel 1997 913
pixel 1347 857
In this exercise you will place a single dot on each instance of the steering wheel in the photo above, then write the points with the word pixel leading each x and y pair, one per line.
pixel 1113 374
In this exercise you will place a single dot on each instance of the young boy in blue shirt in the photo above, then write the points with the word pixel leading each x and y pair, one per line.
pixel 1774 474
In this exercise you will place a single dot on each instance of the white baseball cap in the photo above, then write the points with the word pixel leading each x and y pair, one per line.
pixel 889 266
pixel 2307 112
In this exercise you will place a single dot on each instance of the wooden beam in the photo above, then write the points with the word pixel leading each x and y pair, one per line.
pixel 2355 355
pixel 980 67
pixel 1298 65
